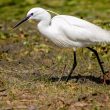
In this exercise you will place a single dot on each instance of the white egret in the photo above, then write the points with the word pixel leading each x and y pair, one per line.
pixel 68 31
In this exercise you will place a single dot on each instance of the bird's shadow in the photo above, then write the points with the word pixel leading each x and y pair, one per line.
pixel 81 79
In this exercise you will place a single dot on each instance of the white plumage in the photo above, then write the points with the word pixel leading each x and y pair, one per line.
pixel 68 31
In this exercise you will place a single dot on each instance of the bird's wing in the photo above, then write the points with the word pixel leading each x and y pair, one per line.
pixel 77 29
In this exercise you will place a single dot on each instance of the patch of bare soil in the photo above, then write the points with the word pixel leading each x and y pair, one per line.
pixel 30 78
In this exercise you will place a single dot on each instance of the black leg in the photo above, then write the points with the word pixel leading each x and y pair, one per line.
pixel 99 61
pixel 73 67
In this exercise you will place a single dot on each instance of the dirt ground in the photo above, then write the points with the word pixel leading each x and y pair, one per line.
pixel 32 74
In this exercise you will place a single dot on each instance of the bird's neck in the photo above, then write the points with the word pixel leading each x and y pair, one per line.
pixel 45 21
pixel 44 24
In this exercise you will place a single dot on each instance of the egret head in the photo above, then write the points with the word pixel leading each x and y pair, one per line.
pixel 36 14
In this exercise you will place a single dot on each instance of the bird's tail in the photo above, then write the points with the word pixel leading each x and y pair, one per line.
pixel 104 37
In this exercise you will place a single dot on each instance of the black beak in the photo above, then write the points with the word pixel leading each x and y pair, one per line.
pixel 23 20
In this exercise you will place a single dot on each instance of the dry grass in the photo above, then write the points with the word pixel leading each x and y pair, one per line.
pixel 31 66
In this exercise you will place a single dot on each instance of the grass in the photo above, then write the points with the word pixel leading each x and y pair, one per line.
pixel 30 65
